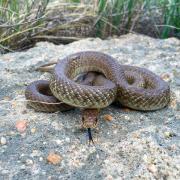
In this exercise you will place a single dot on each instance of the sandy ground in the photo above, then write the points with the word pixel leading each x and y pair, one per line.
pixel 133 145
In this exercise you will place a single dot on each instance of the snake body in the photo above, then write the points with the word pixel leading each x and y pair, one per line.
pixel 134 87
pixel 123 83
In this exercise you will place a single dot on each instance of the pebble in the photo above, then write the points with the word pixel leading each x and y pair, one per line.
pixel 21 125
pixel 23 167
pixel 152 168
pixel 115 132
pixel 126 117
pixel 35 153
pixel 109 177
pixel 40 158
pixel 29 162
pixel 33 130
pixel 166 77
pixel 5 171
pixel 67 140
pixel 3 140
pixel 108 117
pixel 168 134
pixel 58 141
pixel 54 158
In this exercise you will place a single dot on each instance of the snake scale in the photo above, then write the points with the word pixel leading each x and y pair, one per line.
pixel 133 87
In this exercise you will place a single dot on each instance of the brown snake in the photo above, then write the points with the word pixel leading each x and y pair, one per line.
pixel 134 87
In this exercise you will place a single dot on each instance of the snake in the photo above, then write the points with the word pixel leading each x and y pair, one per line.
pixel 134 87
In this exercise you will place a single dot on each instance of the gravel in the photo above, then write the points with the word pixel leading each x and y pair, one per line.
pixel 133 145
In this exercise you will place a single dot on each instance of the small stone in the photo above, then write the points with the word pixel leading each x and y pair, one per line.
pixel 58 141
pixel 41 159
pixel 109 177
pixel 33 130
pixel 29 162
pixel 115 132
pixel 136 135
pixel 97 156
pixel 165 77
pixel 4 171
pixel 67 139
pixel 127 117
pixel 35 153
pixel 152 168
pixel 12 133
pixel 173 147
pixel 21 125
pixel 108 117
pixel 3 140
pixel 168 134
pixel 23 167
pixel 54 158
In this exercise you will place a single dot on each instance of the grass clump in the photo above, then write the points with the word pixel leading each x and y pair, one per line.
pixel 121 16
pixel 19 20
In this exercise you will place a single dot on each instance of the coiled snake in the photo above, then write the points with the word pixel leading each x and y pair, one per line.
pixel 134 87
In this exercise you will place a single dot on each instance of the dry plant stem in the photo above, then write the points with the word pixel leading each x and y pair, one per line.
pixel 12 101
pixel 56 38
pixel 136 18
pixel 47 67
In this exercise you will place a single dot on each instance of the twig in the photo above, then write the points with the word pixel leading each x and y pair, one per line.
pixel 6 48
pixel 3 101
pixel 20 32
pixel 67 39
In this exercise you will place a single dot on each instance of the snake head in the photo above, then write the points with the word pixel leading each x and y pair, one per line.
pixel 89 118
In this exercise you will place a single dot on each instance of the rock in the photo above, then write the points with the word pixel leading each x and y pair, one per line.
pixel 3 141
pixel 168 134
pixel 21 125
pixel 33 130
pixel 108 117
pixel 134 145
pixel 29 162
pixel 152 168
pixel 54 158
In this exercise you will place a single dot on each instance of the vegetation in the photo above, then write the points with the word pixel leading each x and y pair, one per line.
pixel 21 20
pixel 123 15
